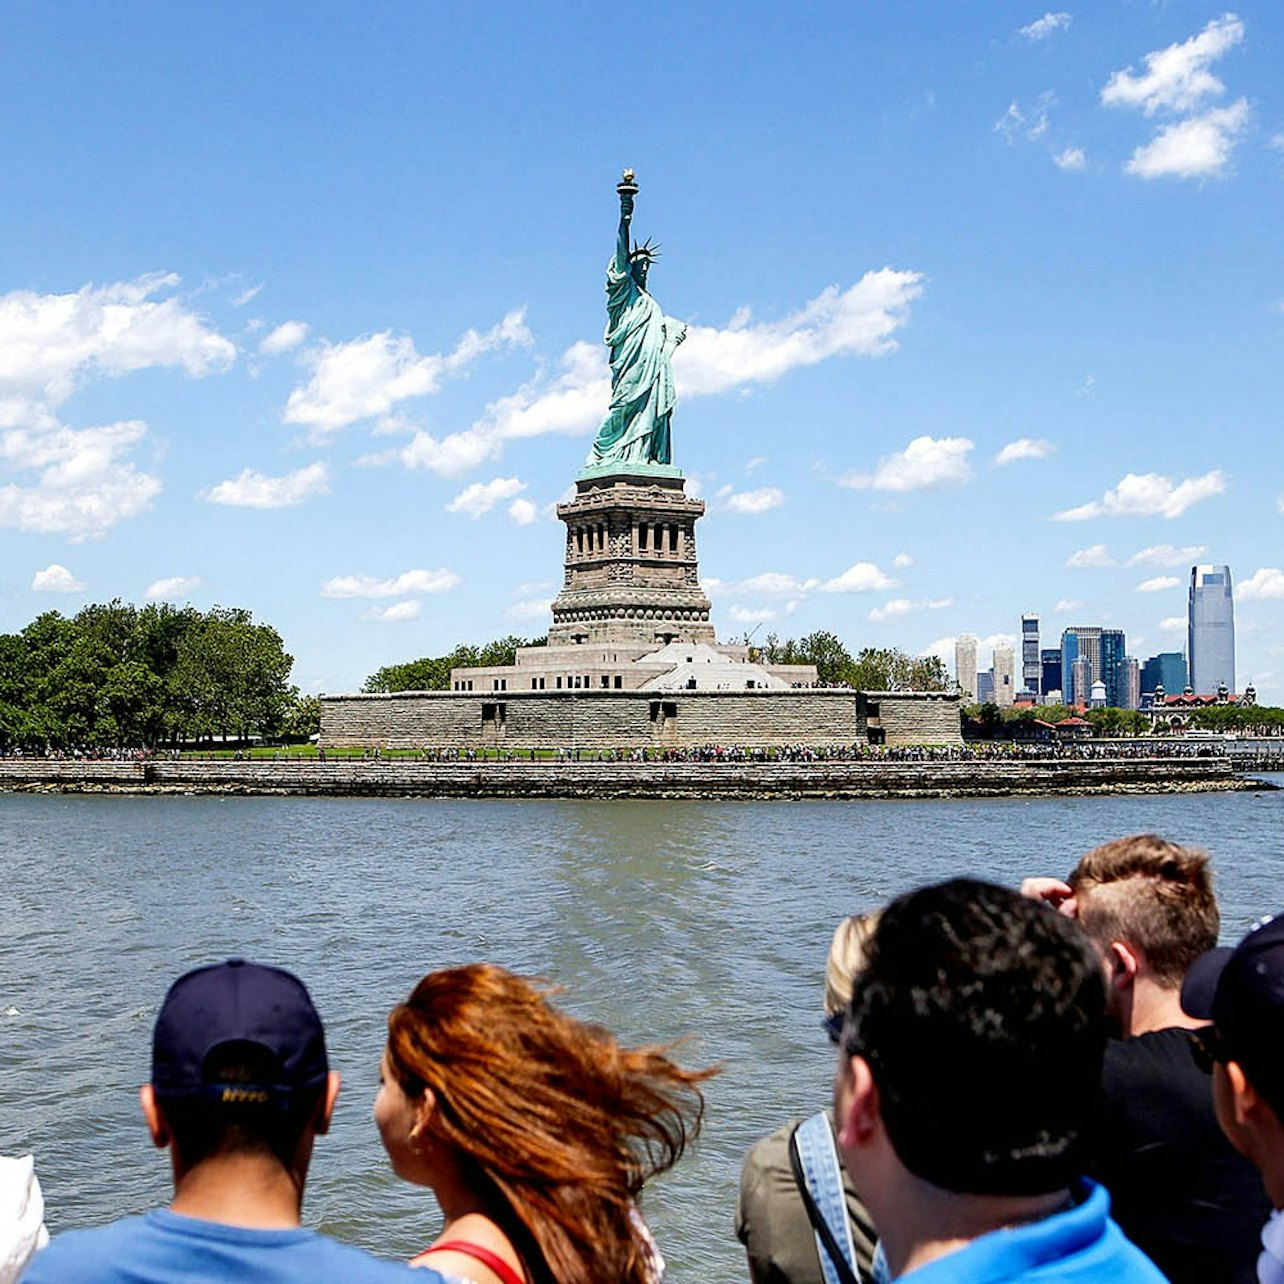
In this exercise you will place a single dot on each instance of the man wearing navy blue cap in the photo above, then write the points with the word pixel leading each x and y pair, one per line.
pixel 1241 991
pixel 240 1088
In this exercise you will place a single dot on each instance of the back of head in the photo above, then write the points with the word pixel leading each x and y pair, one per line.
pixel 238 1061
pixel 549 1114
pixel 846 959
pixel 1152 894
pixel 982 1017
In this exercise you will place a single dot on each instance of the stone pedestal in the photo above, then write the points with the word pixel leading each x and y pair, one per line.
pixel 631 567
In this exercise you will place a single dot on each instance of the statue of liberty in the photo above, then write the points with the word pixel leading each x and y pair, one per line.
pixel 642 340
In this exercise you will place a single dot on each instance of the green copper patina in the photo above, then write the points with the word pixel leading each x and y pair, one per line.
pixel 634 437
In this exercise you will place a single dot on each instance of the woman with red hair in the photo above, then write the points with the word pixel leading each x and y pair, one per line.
pixel 535 1131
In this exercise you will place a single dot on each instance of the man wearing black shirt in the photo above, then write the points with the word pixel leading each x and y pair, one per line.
pixel 1177 1187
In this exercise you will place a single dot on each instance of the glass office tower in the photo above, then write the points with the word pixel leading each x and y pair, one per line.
pixel 1210 630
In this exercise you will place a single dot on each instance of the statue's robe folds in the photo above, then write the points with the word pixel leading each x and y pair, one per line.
pixel 642 340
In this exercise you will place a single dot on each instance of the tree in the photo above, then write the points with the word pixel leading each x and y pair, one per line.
pixel 432 673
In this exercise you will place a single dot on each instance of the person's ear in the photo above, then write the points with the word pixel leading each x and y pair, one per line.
pixel 1122 965
pixel 325 1107
pixel 1246 1104
pixel 425 1108
pixel 157 1128
pixel 858 1110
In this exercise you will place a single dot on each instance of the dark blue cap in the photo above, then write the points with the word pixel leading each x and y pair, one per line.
pixel 238 1003
pixel 1241 991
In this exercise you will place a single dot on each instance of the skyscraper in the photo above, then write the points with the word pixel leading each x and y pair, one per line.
pixel 965 666
pixel 1031 669
pixel 1210 630
pixel 1103 649
pixel 1004 675
pixel 1167 669
pixel 1130 683
pixel 1050 661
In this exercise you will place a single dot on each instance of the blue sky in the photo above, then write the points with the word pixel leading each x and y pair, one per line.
pixel 301 310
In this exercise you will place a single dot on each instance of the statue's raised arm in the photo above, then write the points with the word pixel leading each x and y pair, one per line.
pixel 627 190
pixel 642 339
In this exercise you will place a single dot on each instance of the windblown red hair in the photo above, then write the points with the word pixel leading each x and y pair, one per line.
pixel 549 1114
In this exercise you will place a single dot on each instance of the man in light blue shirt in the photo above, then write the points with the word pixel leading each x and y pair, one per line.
pixel 970 1066
pixel 240 1088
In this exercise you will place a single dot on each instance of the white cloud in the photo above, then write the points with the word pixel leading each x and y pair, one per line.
pixel 1095 557
pixel 1043 27
pixel 1165 556
pixel 48 342
pixel 899 607
pixel 756 501
pixel 756 462
pixel 530 609
pixel 1148 495
pixel 752 614
pixel 479 498
pixel 1066 604
pixel 1070 158
pixel 1178 78
pixel 1024 448
pixel 367 378
pixel 251 292
pixel 1158 584
pixel 171 589
pixel 943 649
pixel 254 490
pixel 396 613
pixel 84 483
pixel 284 338
pixel 774 584
pixel 416 581
pixel 862 577
pixel 902 560
pixel 860 320
pixel 925 464
pixel 523 512
pixel 56 579
pixel 1264 585
pixel 1173 624
pixel 1015 122
pixel 1199 147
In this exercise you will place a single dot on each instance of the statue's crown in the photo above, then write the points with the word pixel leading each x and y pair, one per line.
pixel 645 251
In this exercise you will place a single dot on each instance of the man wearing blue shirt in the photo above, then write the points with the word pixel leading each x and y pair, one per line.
pixel 971 1062
pixel 240 1088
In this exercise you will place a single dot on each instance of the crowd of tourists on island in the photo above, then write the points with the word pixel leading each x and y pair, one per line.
pixel 1067 1081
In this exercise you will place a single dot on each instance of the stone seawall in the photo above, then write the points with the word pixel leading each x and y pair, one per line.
pixel 600 780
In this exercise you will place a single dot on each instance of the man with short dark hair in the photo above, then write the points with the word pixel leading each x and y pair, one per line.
pixel 1241 991
pixel 240 1088
pixel 972 1058
pixel 1177 1187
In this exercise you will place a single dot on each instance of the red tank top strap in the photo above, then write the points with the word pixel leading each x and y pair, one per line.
pixel 479 1254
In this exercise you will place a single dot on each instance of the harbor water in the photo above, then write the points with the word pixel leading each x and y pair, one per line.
pixel 701 921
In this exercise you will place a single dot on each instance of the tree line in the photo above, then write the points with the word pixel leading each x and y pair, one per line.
pixel 885 668
pixel 994 722
pixel 432 672
pixel 117 675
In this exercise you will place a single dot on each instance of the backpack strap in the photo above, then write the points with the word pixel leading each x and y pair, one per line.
pixel 820 1183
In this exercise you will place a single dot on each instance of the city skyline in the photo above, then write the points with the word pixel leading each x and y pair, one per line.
pixel 984 309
